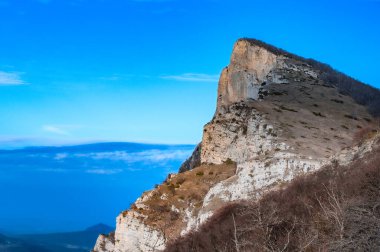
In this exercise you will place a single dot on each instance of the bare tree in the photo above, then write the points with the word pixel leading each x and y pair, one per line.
pixel 237 245
pixel 333 209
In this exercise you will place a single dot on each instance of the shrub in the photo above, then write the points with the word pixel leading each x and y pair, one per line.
pixel 200 173
pixel 287 109
pixel 351 117
pixel 364 133
pixel 229 161
pixel 318 114
pixel 337 101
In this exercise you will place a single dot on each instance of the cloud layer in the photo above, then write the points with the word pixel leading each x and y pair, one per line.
pixel 144 156
pixel 11 78
pixel 63 130
pixel 104 171
pixel 197 77
pixel 112 162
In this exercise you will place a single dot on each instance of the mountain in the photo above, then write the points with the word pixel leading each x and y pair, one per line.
pixel 8 244
pixel 80 241
pixel 279 117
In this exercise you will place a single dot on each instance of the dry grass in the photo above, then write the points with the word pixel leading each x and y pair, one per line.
pixel 165 207
pixel 309 112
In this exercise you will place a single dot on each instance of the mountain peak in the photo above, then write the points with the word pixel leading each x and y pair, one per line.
pixel 255 64
pixel 100 228
pixel 271 48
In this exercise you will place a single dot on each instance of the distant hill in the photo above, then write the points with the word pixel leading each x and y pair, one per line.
pixel 79 241
pixel 8 244
pixel 95 147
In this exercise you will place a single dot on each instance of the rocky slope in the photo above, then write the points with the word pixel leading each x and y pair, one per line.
pixel 333 209
pixel 278 116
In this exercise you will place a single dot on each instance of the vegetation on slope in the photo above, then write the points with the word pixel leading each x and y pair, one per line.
pixel 164 206
pixel 334 209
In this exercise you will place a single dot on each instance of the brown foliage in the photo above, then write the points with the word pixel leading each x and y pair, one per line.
pixel 364 133
pixel 334 209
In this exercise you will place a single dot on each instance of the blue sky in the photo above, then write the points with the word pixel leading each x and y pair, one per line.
pixel 75 71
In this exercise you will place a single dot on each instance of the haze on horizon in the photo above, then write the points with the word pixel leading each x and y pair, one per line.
pixel 146 71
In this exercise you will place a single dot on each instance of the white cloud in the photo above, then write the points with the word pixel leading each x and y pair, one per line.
pixel 144 156
pixel 63 130
pixel 11 78
pixel 192 77
pixel 151 1
pixel 16 142
pixel 60 156
pixel 70 246
pixel 56 170
pixel 55 130
pixel 104 171
pixel 111 78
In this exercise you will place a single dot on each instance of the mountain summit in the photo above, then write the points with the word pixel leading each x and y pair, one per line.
pixel 279 116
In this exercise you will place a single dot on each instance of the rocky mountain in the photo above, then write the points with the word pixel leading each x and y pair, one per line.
pixel 278 117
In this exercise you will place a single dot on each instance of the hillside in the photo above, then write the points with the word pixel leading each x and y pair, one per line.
pixel 278 117
pixel 334 209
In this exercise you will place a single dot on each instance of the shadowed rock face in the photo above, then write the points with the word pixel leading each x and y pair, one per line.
pixel 248 69
pixel 276 118
pixel 193 161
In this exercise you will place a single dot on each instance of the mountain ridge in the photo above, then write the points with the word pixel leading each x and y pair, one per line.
pixel 78 241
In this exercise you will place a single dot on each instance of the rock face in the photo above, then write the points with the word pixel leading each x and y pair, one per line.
pixel 248 69
pixel 193 161
pixel 277 117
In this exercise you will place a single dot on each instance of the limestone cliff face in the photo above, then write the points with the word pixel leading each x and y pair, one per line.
pixel 248 69
pixel 276 118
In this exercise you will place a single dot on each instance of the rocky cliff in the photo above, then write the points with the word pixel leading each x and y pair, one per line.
pixel 278 116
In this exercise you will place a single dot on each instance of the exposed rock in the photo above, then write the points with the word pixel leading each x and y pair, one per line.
pixel 104 243
pixel 193 161
pixel 133 235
